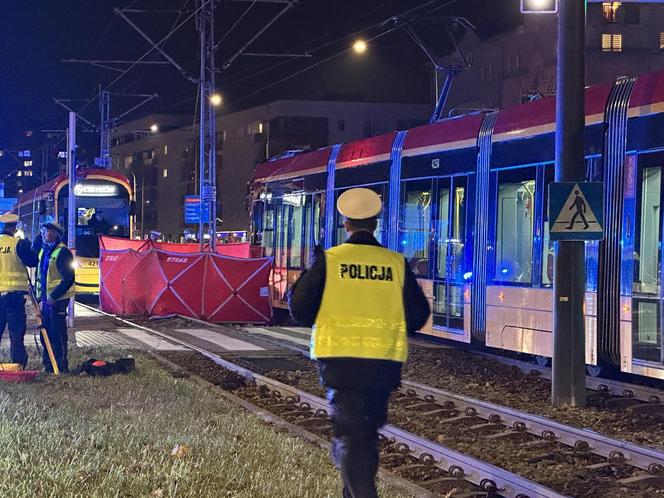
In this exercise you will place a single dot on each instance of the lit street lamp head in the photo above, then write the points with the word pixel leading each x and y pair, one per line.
pixel 360 46
pixel 154 128
pixel 539 6
pixel 215 99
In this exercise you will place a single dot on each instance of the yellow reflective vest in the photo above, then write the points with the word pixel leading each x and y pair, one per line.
pixel 362 310
pixel 13 273
pixel 53 276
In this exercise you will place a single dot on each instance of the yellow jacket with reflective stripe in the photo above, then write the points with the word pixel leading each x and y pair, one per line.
pixel 362 311
pixel 13 274
pixel 53 276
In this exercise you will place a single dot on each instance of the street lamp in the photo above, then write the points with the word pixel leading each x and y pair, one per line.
pixel 154 128
pixel 215 99
pixel 360 46
pixel 539 6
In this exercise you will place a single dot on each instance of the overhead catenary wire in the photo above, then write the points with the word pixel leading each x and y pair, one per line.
pixel 316 49
pixel 150 50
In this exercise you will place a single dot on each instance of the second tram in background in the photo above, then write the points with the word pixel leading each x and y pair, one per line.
pixel 104 206
pixel 465 200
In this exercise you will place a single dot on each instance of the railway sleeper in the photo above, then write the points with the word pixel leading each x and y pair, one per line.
pixel 320 423
pixel 486 427
pixel 459 419
pixel 423 404
pixel 643 481
pixel 647 408
pixel 451 412
pixel 622 403
pixel 511 434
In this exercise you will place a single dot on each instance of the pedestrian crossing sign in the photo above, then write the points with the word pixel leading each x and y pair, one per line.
pixel 576 211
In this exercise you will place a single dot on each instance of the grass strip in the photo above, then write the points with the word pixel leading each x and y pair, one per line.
pixel 114 436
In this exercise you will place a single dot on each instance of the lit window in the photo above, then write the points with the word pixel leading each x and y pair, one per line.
pixel 260 127
pixel 661 41
pixel 28 173
pixel 19 173
pixel 165 150
pixel 27 164
pixel 611 43
pixel 514 231
pixel 165 173
pixel 609 10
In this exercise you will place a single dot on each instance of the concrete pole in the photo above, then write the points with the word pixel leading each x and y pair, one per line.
pixel 203 103
pixel 71 205
pixel 568 381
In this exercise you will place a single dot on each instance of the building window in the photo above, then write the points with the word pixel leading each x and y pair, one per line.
pixel 27 164
pixel 341 124
pixel 611 43
pixel 165 150
pixel 632 14
pixel 28 173
pixel 609 10
pixel 661 41
pixel 164 173
pixel 260 127
pixel 19 173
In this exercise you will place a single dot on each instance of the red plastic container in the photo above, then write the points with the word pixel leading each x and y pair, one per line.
pixel 20 376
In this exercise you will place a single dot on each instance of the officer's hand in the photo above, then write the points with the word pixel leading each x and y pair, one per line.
pixel 50 301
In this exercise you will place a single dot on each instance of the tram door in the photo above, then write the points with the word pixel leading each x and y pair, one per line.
pixel 449 247
pixel 647 299
pixel 280 272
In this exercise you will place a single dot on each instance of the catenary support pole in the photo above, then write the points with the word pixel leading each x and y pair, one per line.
pixel 71 204
pixel 568 381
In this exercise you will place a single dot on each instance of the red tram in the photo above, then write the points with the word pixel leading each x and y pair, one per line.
pixel 465 201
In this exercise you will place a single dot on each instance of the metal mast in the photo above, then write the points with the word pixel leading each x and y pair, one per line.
pixel 207 126
pixel 105 129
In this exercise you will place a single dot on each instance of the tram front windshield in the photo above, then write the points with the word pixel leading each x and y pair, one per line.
pixel 98 215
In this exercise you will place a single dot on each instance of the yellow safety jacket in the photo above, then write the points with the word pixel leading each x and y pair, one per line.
pixel 53 275
pixel 13 273
pixel 362 310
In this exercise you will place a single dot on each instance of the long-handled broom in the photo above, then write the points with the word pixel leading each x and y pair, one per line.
pixel 41 327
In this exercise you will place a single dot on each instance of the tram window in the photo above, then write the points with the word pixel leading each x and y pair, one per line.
pixel 415 225
pixel 442 229
pixel 294 204
pixel 547 243
pixel 514 231
pixel 380 233
pixel 646 250
pixel 646 304
pixel 267 224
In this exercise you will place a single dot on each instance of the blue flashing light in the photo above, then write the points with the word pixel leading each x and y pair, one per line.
pixel 468 275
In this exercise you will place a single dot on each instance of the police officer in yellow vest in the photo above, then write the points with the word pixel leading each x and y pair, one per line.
pixel 361 301
pixel 55 286
pixel 15 256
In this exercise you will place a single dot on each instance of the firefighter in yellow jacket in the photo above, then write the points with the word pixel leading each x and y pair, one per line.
pixel 55 286
pixel 361 300
pixel 15 256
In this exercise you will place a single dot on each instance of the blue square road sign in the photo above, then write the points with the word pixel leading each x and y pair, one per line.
pixel 576 211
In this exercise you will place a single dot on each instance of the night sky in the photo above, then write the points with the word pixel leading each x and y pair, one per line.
pixel 36 34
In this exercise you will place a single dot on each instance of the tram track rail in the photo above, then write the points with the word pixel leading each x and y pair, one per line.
pixel 512 422
pixel 471 416
pixel 405 453
pixel 625 390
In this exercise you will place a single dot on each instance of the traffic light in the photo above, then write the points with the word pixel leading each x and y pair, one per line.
pixel 539 6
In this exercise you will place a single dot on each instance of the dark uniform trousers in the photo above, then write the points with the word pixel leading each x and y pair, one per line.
pixel 12 316
pixel 55 323
pixel 357 414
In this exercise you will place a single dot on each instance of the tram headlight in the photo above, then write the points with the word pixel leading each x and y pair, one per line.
pixel 75 265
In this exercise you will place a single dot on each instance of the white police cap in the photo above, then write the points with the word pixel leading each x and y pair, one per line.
pixel 9 218
pixel 359 204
